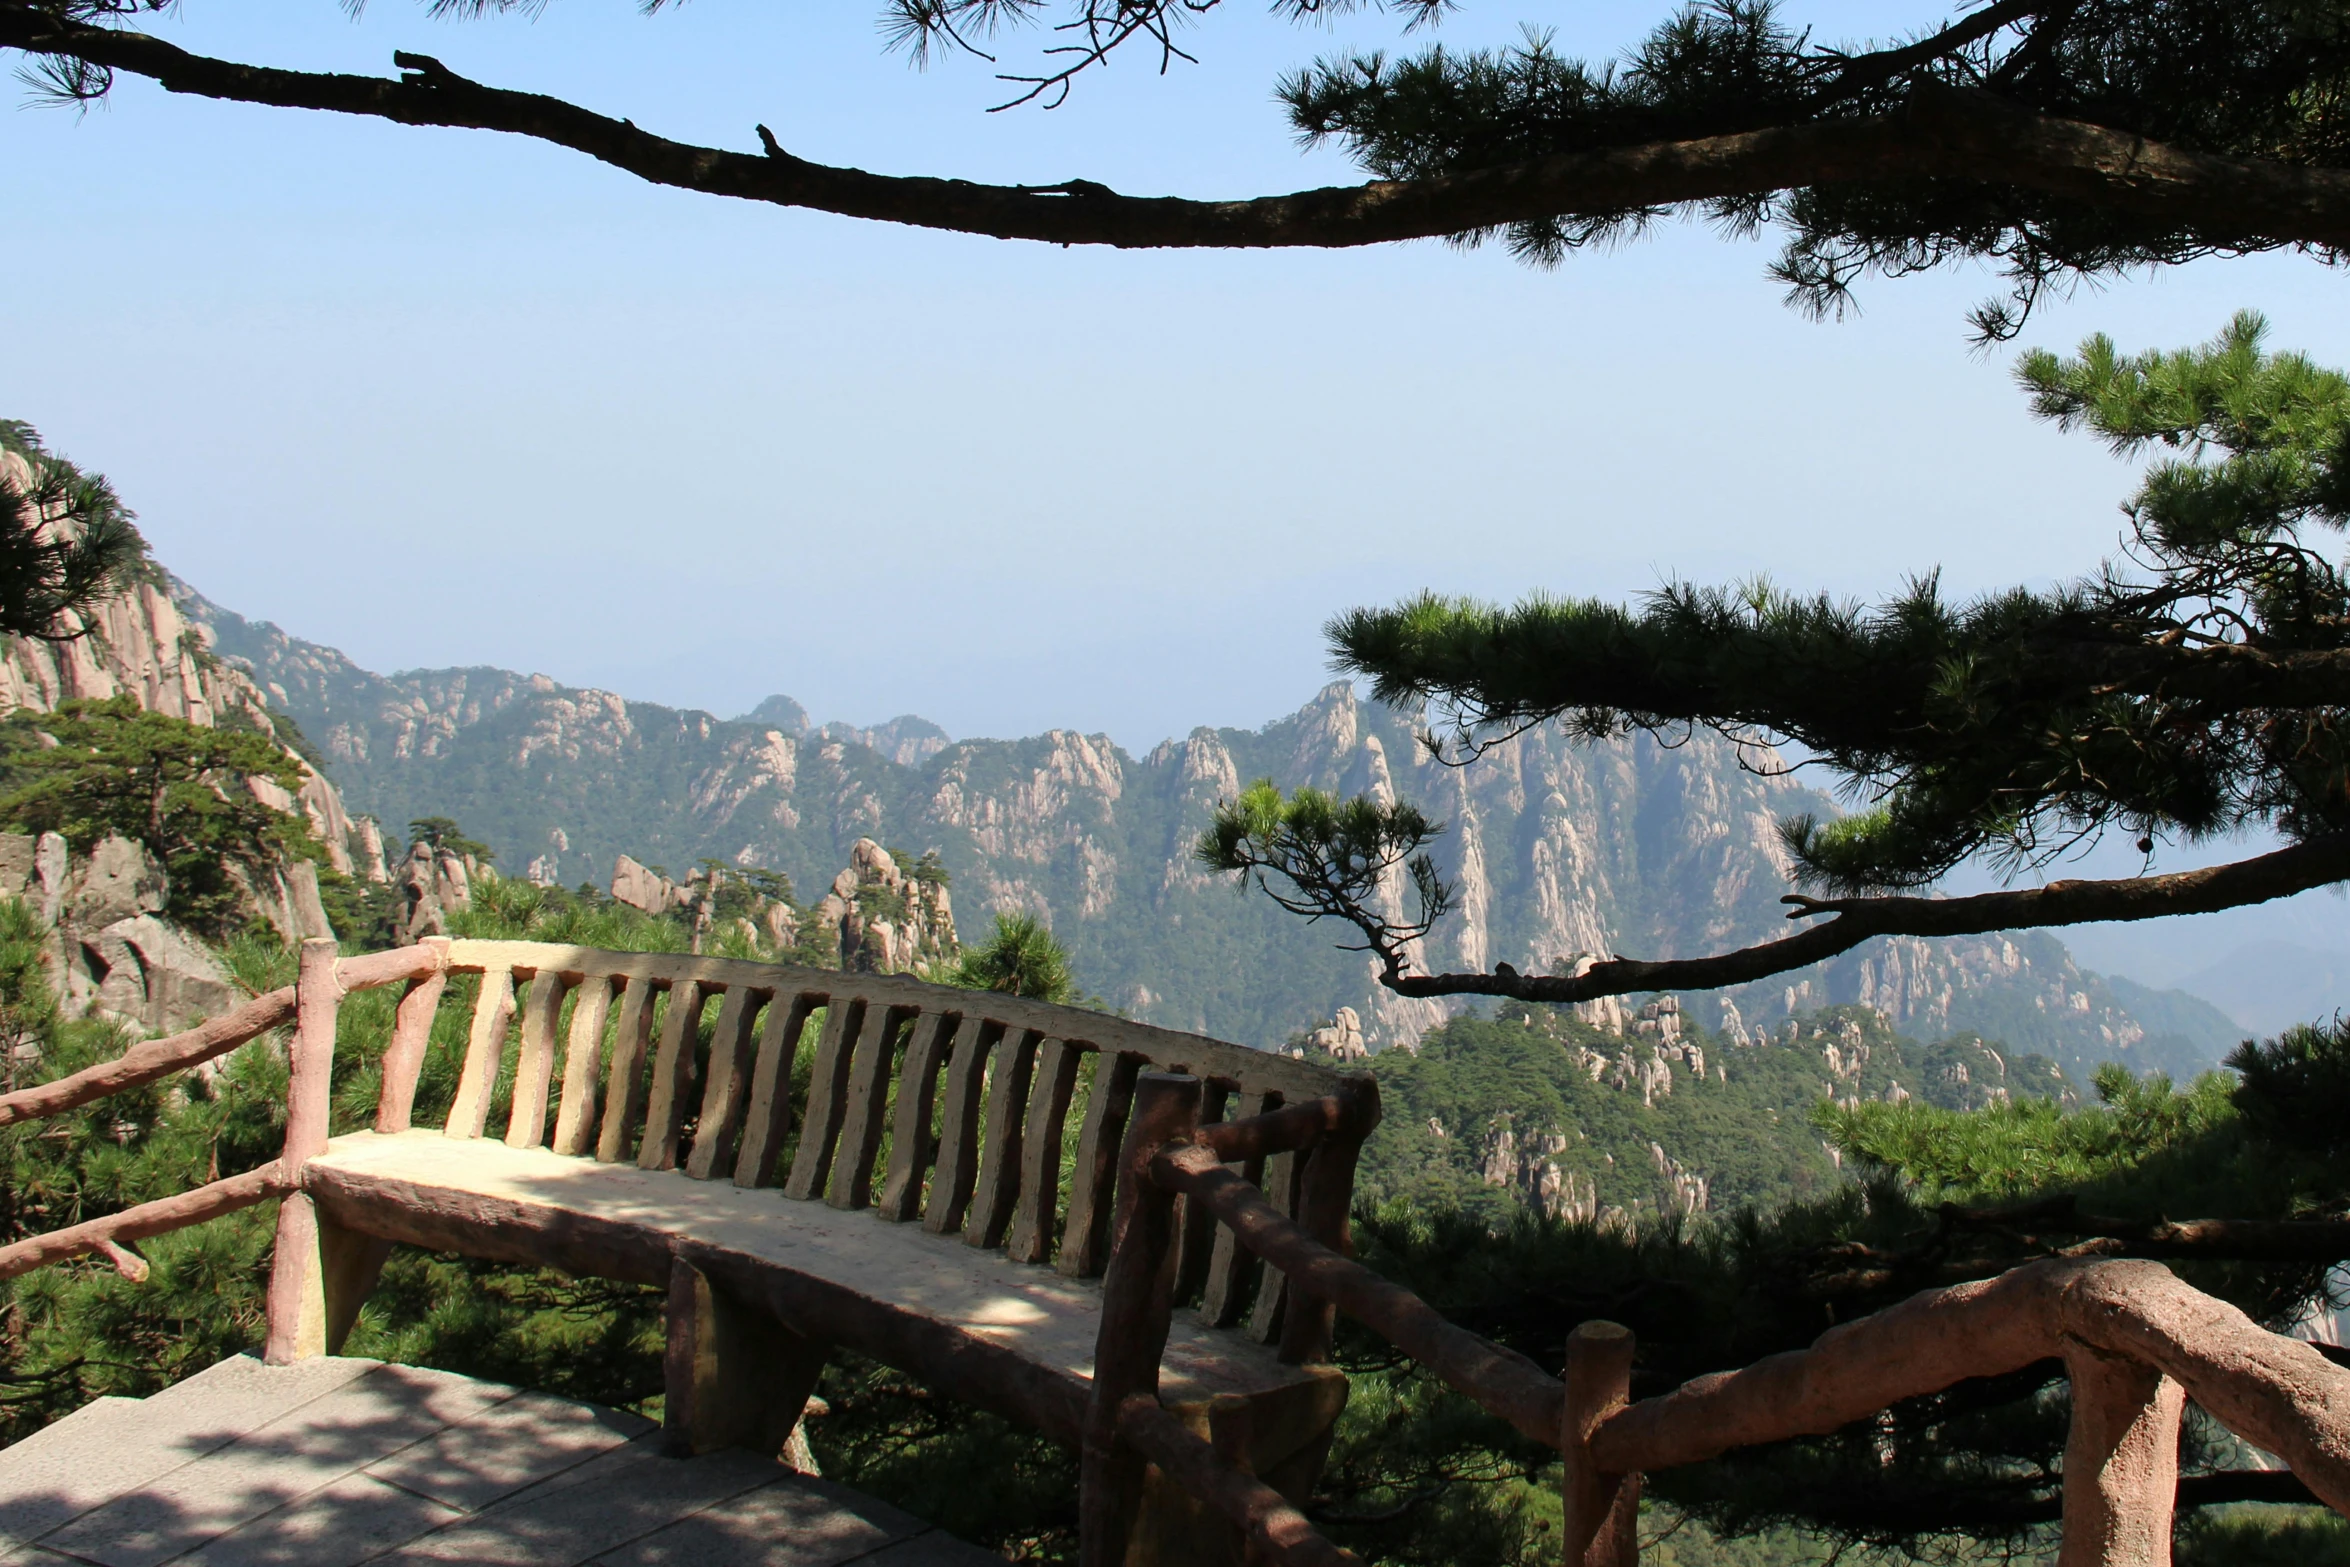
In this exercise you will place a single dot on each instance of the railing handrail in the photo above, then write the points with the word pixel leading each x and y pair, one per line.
pixel 1080 1026
pixel 152 1059
pixel 2136 1341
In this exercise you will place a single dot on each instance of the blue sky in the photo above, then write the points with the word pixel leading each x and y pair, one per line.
pixel 440 397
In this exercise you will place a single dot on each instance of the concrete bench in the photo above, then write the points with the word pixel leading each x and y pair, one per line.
pixel 940 1199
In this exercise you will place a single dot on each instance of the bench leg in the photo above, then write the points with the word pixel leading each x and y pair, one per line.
pixel 734 1376
pixel 352 1262
pixel 319 1277
pixel 1281 1438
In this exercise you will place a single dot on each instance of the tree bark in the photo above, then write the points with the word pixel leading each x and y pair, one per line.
pixel 1942 133
pixel 1850 921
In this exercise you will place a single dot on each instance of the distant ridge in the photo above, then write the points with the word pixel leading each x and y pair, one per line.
pixel 2270 985
pixel 1556 847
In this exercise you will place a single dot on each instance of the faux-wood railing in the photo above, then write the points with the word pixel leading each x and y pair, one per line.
pixel 157 1059
pixel 1000 1073
pixel 2135 1340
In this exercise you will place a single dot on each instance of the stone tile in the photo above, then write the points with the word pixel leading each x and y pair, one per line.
pixel 934 1548
pixel 69 1467
pixel 33 1556
pixel 71 1430
pixel 613 1503
pixel 794 1521
pixel 353 1520
pixel 313 1445
pixel 522 1441
pixel 242 1390
pixel 160 1434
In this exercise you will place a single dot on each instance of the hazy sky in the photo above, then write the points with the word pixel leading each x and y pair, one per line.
pixel 441 397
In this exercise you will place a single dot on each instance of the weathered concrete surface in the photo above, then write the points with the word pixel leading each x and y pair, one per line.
pixel 333 1462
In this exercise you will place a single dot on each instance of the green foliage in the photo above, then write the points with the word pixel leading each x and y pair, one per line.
pixel 173 786
pixel 1616 1116
pixel 2024 1146
pixel 1334 856
pixel 364 913
pixel 743 891
pixel 28 1006
pixel 2248 80
pixel 444 835
pixel 2295 1087
pixel 1787 1244
pixel 2263 1537
pixel 66 540
pixel 1019 958
pixel 507 908
pixel 2274 422
pixel 79 1331
pixel 978 1476
pixel 877 902
pixel 2160 697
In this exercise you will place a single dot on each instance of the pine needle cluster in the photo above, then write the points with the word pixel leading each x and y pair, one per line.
pixel 2195 687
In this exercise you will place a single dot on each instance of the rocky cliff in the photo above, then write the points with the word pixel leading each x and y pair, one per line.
pixel 1557 848
pixel 138 644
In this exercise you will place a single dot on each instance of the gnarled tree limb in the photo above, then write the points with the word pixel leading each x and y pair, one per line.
pixel 1851 921
pixel 1941 133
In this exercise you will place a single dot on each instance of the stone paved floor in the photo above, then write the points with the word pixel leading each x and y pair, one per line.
pixel 335 1462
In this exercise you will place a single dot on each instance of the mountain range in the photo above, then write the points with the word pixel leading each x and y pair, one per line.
pixel 1557 847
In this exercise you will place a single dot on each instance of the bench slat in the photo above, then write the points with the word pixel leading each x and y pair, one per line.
pixel 673 1071
pixel 767 1119
pixel 851 1182
pixel 624 1087
pixel 583 1061
pixel 958 1129
pixel 1251 1070
pixel 493 1011
pixel 911 1145
pixel 1085 1241
pixel 1224 1295
pixel 534 1069
pixel 1057 1063
pixel 828 1093
pixel 1009 1068
pixel 1194 1223
pixel 726 1083
pixel 412 1024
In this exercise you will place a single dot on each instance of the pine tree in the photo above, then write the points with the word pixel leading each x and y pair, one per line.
pixel 2194 687
pixel 66 540
pixel 92 769
pixel 2061 139
pixel 1020 957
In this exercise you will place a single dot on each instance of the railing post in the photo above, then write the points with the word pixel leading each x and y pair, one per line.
pixel 1602 1510
pixel 297 1274
pixel 1323 1212
pixel 1137 1301
pixel 2121 1461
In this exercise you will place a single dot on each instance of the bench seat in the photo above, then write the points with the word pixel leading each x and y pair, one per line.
pixel 926 1302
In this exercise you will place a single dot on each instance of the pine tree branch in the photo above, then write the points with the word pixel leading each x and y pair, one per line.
pixel 2252 1240
pixel 1940 133
pixel 1851 921
pixel 1863 71
pixel 2230 675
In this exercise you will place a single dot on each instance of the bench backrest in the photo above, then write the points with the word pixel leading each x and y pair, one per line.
pixel 971 1091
